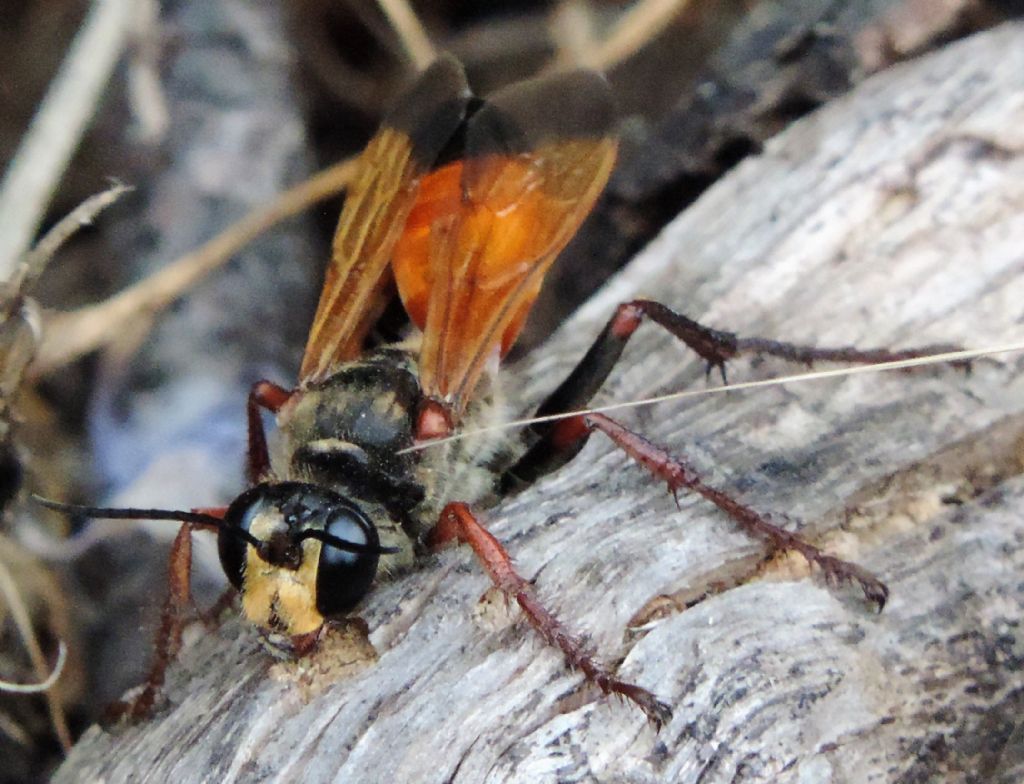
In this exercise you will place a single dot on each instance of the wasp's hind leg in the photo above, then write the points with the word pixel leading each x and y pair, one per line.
pixel 569 436
pixel 176 609
pixel 458 523
pixel 715 347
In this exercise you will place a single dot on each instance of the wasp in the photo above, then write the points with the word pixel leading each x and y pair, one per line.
pixel 461 205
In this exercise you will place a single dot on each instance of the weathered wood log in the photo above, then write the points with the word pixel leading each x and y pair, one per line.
pixel 895 217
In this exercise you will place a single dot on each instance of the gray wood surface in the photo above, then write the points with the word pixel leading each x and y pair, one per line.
pixel 894 216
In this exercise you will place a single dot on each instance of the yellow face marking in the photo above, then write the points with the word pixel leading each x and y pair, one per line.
pixel 269 591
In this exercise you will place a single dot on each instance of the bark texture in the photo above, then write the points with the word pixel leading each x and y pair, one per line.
pixel 894 216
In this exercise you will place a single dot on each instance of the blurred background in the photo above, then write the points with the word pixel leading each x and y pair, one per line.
pixel 200 279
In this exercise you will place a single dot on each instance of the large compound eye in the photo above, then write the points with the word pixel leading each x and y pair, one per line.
pixel 240 515
pixel 343 577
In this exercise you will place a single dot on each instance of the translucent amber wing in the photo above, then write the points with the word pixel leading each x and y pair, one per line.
pixel 485 229
pixel 376 208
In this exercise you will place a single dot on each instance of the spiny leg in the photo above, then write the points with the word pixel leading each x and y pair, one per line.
pixel 715 347
pixel 264 394
pixel 211 616
pixel 458 523
pixel 572 433
pixel 172 623
pixel 590 373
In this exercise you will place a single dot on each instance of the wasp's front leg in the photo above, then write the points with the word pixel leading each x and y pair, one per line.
pixel 264 394
pixel 458 523
pixel 176 609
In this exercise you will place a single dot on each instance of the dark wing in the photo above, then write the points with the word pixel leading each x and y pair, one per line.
pixel 486 228
pixel 376 207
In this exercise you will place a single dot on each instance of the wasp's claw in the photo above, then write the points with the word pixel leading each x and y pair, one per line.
pixel 657 712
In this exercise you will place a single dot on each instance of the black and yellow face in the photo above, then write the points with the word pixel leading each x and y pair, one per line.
pixel 316 558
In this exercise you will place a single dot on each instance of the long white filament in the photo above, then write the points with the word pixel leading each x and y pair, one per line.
pixel 815 375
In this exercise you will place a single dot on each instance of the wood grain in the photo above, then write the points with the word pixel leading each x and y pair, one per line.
pixel 894 216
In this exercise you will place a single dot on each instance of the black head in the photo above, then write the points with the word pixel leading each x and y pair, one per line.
pixel 275 520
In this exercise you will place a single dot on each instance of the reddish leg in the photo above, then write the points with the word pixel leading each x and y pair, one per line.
pixel 458 523
pixel 714 346
pixel 434 420
pixel 270 396
pixel 571 433
pixel 212 511
pixel 304 644
pixel 717 347
pixel 172 622
pixel 211 617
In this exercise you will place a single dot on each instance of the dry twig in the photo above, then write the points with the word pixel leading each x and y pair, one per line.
pixel 71 335
pixel 410 32
pixel 635 29
pixel 34 262
pixel 9 589
pixel 148 102
pixel 42 686
pixel 572 29
pixel 58 125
